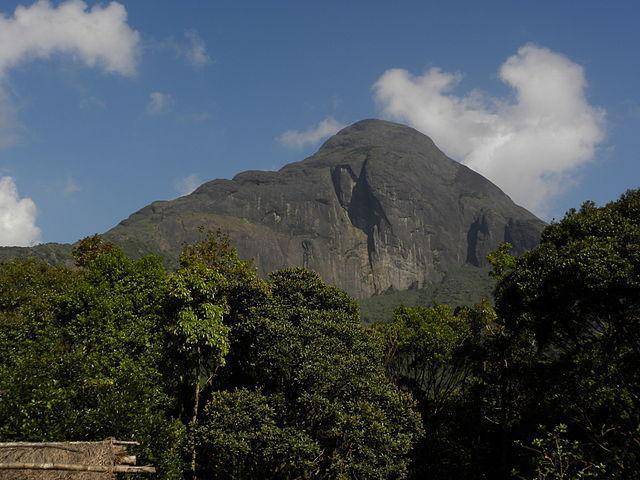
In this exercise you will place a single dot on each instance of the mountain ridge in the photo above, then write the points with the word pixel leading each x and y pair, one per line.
pixel 378 207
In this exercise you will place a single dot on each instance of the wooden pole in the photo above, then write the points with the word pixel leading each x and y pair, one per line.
pixel 77 468
pixel 128 460
pixel 39 444
pixel 59 444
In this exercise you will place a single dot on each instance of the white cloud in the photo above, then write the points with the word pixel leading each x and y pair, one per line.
pixel 17 217
pixel 96 36
pixel 188 184
pixel 196 50
pixel 531 146
pixel 312 135
pixel 159 103
pixel 92 103
pixel 71 187
pixel 191 48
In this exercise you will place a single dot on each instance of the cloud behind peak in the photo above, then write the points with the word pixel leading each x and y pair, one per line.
pixel 312 135
pixel 532 146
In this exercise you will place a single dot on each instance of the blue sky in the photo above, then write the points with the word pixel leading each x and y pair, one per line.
pixel 211 87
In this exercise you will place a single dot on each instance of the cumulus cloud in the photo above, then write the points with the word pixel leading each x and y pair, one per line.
pixel 190 48
pixel 96 36
pixel 17 217
pixel 312 135
pixel 159 103
pixel 531 145
pixel 186 185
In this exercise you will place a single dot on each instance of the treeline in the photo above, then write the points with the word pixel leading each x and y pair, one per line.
pixel 224 375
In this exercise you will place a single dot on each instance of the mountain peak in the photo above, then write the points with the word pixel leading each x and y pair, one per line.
pixel 379 207
pixel 382 133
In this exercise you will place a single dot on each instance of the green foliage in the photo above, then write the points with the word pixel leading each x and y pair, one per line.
pixel 79 351
pixel 302 289
pixel 572 333
pixel 558 458
pixel 501 261
pixel 196 329
pixel 291 383
pixel 422 345
pixel 243 435
pixel 308 350
pixel 464 286
pixel 240 287
pixel 90 248
pixel 436 354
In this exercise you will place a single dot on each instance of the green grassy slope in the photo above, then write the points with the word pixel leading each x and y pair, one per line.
pixel 466 285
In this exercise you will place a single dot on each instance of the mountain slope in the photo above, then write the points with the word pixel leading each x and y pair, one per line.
pixel 379 207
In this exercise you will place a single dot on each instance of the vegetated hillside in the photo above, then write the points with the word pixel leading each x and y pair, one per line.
pixel 379 208
pixel 464 286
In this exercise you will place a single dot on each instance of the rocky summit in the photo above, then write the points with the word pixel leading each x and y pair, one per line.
pixel 379 207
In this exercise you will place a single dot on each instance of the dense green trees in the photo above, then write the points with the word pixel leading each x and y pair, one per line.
pixel 570 311
pixel 436 354
pixel 309 351
pixel 548 385
pixel 224 375
pixel 243 434
pixel 221 374
pixel 79 350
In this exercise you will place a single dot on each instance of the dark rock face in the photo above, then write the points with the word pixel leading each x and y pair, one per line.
pixel 378 207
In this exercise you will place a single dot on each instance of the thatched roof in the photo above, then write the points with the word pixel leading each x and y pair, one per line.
pixel 66 460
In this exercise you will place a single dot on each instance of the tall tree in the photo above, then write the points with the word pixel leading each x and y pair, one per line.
pixel 196 333
pixel 306 356
pixel 570 315
pixel 436 354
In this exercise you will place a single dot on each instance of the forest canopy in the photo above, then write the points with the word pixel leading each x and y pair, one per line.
pixel 223 374
pixel 219 373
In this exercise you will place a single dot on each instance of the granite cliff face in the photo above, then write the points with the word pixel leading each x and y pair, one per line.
pixel 378 207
